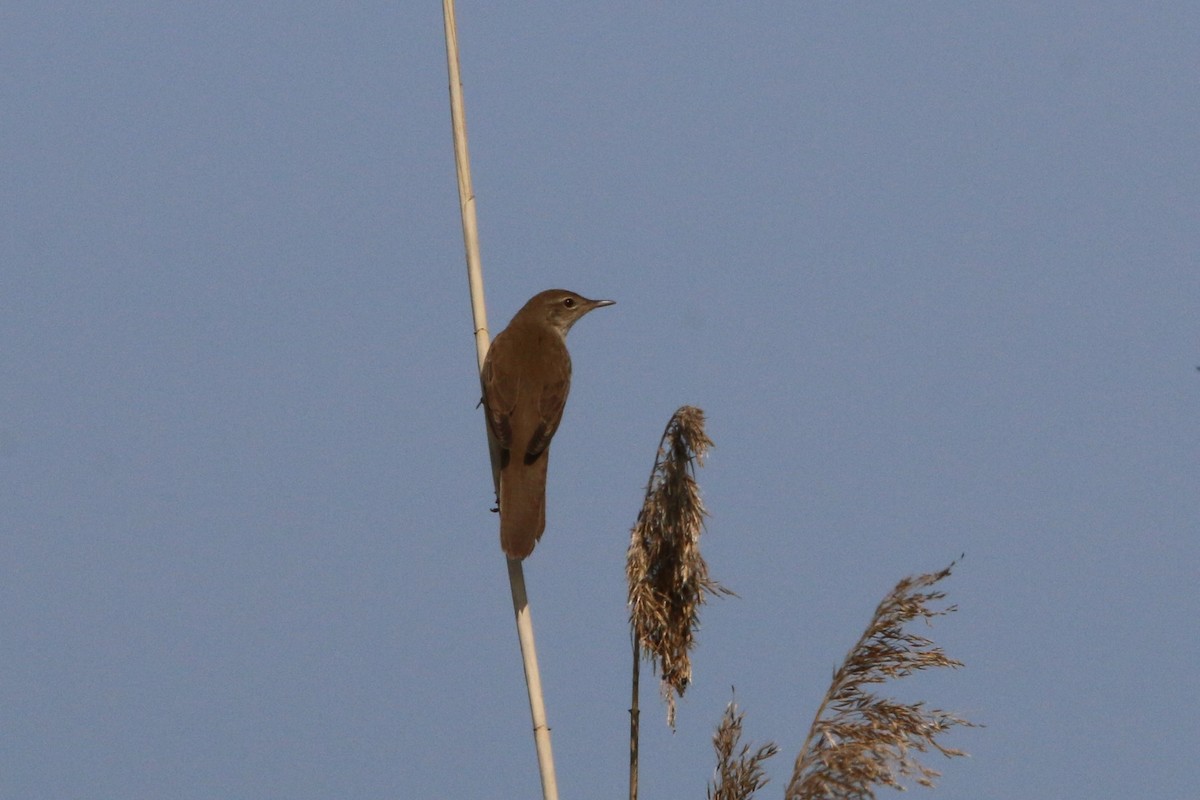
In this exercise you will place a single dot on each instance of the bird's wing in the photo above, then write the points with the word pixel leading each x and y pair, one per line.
pixel 499 397
pixel 550 403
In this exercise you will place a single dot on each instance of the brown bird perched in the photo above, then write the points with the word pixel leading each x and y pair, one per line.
pixel 526 377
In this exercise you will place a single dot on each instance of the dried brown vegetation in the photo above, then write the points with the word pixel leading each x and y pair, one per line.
pixel 668 579
pixel 859 741
pixel 739 772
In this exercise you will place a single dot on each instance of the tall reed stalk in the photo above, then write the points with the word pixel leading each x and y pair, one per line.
pixel 516 574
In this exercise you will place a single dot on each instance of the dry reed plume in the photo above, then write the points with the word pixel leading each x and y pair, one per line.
pixel 668 579
pixel 739 772
pixel 858 740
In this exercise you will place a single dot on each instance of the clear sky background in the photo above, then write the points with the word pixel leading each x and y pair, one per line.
pixel 931 269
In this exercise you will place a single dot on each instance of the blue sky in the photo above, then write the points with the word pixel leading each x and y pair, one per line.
pixel 931 270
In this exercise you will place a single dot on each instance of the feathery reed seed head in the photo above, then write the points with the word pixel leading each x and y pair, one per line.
pixel 667 577
pixel 858 740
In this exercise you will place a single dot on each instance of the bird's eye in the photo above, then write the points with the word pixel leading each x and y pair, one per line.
pixel 569 302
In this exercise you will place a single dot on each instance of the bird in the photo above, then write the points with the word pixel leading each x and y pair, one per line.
pixel 526 377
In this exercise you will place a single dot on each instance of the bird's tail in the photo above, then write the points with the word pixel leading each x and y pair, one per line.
pixel 522 505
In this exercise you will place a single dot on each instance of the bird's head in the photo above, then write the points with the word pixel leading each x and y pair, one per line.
pixel 559 308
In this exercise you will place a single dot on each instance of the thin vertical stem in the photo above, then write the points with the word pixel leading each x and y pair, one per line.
pixel 516 575
pixel 466 193
pixel 634 720
pixel 533 680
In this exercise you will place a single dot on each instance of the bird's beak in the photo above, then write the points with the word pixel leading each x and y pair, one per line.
pixel 602 303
